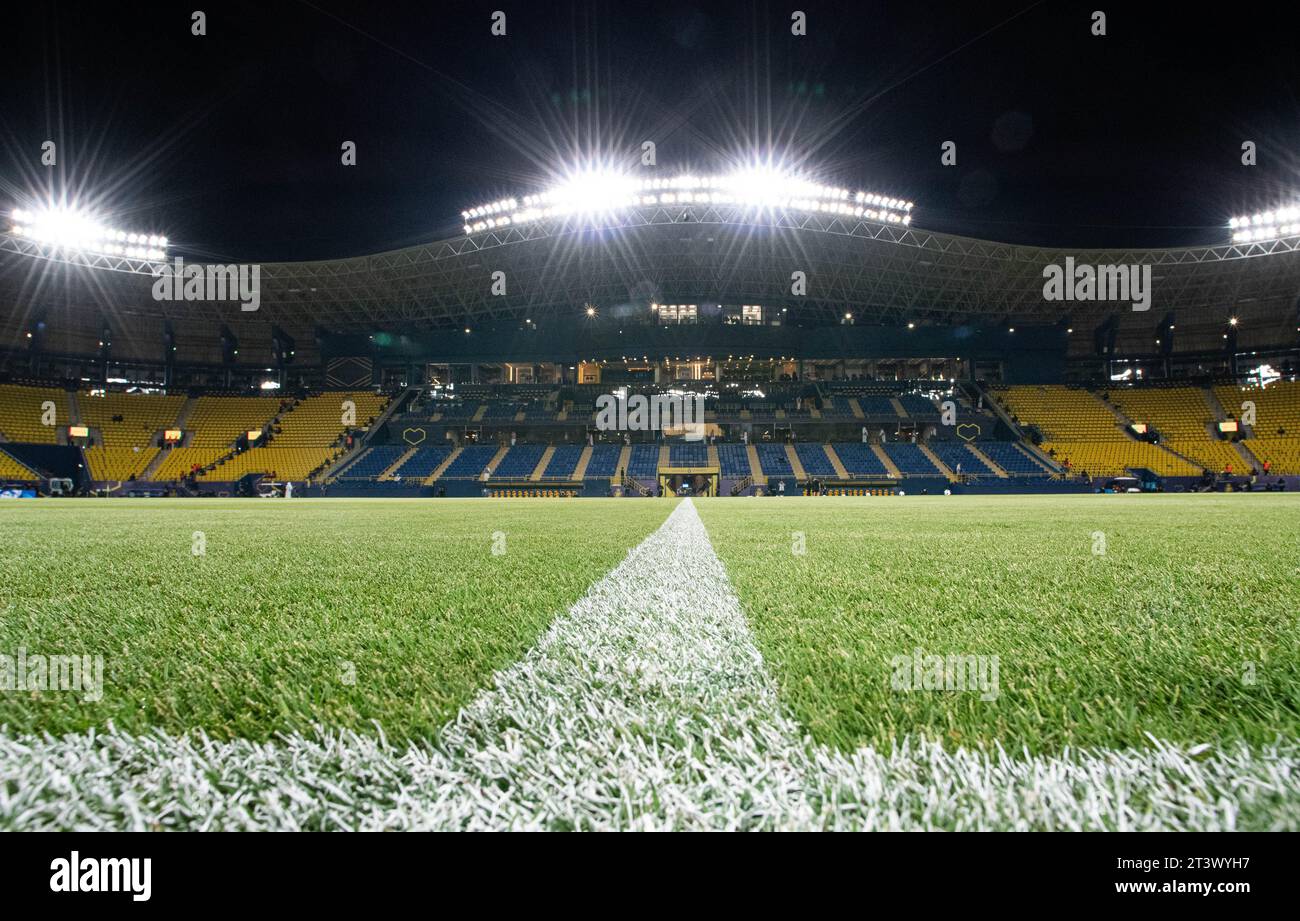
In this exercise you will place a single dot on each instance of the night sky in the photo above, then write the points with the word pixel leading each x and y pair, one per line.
pixel 230 143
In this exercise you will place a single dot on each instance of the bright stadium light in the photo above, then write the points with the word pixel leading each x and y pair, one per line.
pixel 76 231
pixel 1267 225
pixel 595 192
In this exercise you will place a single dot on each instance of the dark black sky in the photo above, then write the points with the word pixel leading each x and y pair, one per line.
pixel 229 143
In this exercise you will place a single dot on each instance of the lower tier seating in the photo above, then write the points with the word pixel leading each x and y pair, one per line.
pixel 563 462
pixel 603 463
pixel 374 462
pixel 859 460
pixel 911 460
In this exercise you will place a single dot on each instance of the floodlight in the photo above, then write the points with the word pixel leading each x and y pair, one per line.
pixel 591 192
pixel 71 229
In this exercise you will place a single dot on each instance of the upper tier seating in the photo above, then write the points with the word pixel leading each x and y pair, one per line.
pixel 317 420
pixel 455 409
pixel 836 408
pixel 876 406
pixel 500 411
pixel 1062 414
pixel 918 406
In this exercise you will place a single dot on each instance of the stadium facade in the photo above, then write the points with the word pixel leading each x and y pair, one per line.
pixel 812 326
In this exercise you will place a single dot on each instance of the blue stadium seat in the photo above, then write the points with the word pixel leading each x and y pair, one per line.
pixel 688 454
pixel 470 463
pixel 603 462
pixel 911 461
pixel 1011 458
pixel 644 463
pixel 734 460
pixel 953 453
pixel 917 405
pixel 878 407
pixel 773 460
pixel 374 462
pixel 519 462
pixel 859 460
pixel 563 462
pixel 423 462
pixel 814 460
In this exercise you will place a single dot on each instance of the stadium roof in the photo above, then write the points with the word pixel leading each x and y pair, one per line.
pixel 884 273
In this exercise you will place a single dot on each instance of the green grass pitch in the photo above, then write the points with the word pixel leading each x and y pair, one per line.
pixel 334 612
pixel 1186 628
pixel 347 613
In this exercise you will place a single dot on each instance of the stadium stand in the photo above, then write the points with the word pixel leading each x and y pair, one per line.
pixel 22 413
pixel 423 462
pixel 918 406
pixel 690 454
pixel 859 460
pixel 772 458
pixel 1081 432
pixel 302 439
pixel 911 460
pixel 814 460
pixel 876 406
pixel 470 463
pixel 519 462
pixel 1275 434
pixel 734 460
pixel 373 462
pixel 213 425
pixel 603 463
pixel 1183 418
pixel 11 469
pixel 953 453
pixel 563 462
pixel 644 462
pixel 1012 458
pixel 128 425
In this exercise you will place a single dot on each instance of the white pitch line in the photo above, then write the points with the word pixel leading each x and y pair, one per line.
pixel 646 706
